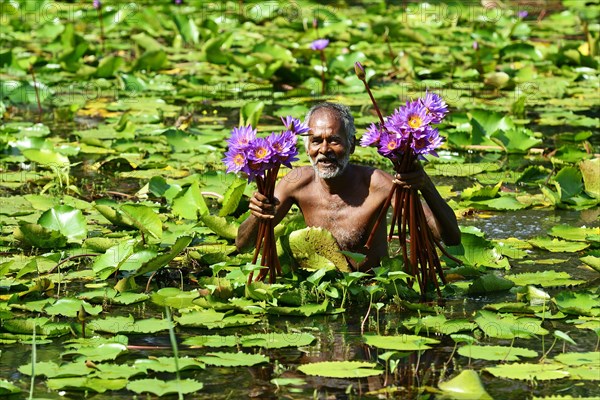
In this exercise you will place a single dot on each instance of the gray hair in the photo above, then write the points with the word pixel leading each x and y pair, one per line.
pixel 343 113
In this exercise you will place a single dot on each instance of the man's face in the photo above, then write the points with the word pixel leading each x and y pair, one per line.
pixel 328 147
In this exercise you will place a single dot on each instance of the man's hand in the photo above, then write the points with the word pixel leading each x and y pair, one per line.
pixel 416 179
pixel 261 207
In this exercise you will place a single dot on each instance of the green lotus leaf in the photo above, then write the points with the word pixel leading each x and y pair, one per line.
pixel 86 384
pixel 579 303
pixel 51 369
pixel 47 157
pixel 38 236
pixel 174 297
pixel 214 319
pixel 341 369
pixel 239 359
pixel 116 256
pixel 525 371
pixel 221 226
pixel 232 196
pixel 315 248
pixel 400 342
pixel 591 176
pixel 505 202
pixel 70 307
pixel 558 246
pixel 569 180
pixel 189 203
pixel 479 192
pixel 161 388
pixel 117 371
pixel 495 353
pixel 439 324
pixel 144 218
pixel 167 364
pixel 114 297
pixel 549 278
pixel 592 261
pixel 7 388
pixel 464 386
pixel 507 326
pixel 43 327
pixel 116 217
pixel 212 341
pixel 102 352
pixel 277 340
pixel 576 359
pixel 573 233
pixel 128 325
pixel 489 283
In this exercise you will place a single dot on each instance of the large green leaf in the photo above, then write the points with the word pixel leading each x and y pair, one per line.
pixel 578 303
pixel 315 248
pixel 47 157
pixel 51 369
pixel 221 226
pixel 439 324
pixel 37 236
pixel 232 196
pixel 214 319
pixel 161 388
pixel 575 233
pixel 530 372
pixel 465 386
pixel 341 369
pixel 189 203
pixel 558 246
pixel 239 359
pixel 85 384
pixel 102 352
pixel 70 307
pixel 507 326
pixel 67 220
pixel 165 258
pixel 548 278
pixel 570 182
pixel 400 342
pixel 144 218
pixel 495 353
pixel 590 171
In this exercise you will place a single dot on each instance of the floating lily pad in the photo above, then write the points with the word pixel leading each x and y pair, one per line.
pixel 7 388
pixel 51 369
pixel 579 303
pixel 548 278
pixel 439 324
pixel 508 326
pixel 102 352
pixel 214 319
pixel 400 342
pixel 341 369
pixel 558 246
pixel 464 386
pixel 98 385
pixel 167 364
pixel 315 248
pixel 239 359
pixel 576 359
pixel 495 353
pixel 574 233
pixel 161 388
pixel 67 220
pixel 525 371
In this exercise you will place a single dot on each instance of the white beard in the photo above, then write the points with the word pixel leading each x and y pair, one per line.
pixel 333 170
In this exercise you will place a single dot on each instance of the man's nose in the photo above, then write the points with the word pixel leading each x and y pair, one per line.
pixel 324 147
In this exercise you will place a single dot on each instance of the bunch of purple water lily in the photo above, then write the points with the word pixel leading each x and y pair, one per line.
pixel 405 137
pixel 260 159
pixel 409 127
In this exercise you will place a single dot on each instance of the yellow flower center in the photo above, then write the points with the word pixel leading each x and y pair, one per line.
pixel 261 152
pixel 238 159
pixel 415 121
pixel 391 145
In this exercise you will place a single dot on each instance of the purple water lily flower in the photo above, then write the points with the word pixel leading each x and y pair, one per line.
pixel 259 153
pixel 235 160
pixel 294 125
pixel 241 137
pixel 435 107
pixel 319 44
pixel 390 145
pixel 522 14
pixel 411 118
pixel 371 136
pixel 427 142
pixel 97 4
pixel 475 45
pixel 283 148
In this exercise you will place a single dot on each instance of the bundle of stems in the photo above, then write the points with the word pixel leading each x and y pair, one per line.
pixel 265 239
pixel 417 242
pixel 420 259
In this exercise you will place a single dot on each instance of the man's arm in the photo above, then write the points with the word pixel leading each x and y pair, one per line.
pixel 440 216
pixel 261 208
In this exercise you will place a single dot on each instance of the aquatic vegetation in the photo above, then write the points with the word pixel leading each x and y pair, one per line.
pixel 115 202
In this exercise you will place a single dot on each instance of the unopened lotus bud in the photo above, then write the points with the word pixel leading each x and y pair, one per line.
pixel 359 71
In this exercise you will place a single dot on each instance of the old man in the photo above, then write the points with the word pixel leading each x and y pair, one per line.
pixel 341 197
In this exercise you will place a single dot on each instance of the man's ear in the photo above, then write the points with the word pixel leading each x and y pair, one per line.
pixel 352 144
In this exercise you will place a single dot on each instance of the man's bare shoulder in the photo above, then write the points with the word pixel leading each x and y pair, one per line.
pixel 375 176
